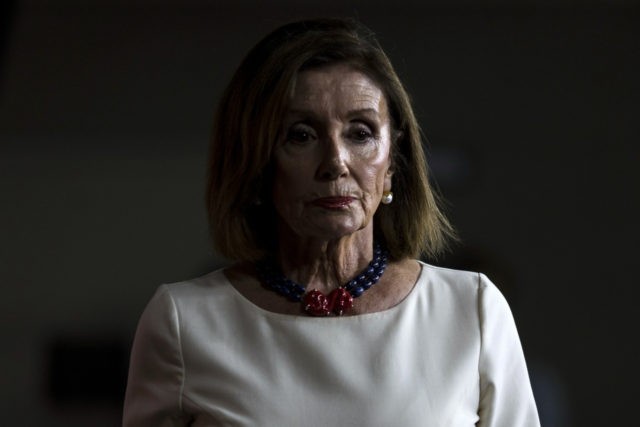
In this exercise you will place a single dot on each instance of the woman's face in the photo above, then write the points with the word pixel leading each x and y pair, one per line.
pixel 332 163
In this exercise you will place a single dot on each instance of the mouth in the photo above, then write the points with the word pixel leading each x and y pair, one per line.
pixel 338 202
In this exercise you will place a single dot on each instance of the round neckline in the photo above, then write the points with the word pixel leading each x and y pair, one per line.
pixel 301 318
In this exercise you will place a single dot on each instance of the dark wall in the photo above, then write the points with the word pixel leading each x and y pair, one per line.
pixel 530 113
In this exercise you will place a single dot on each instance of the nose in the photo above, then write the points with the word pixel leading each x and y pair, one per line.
pixel 333 162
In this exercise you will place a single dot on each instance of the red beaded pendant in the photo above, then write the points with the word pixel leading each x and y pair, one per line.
pixel 316 303
pixel 340 300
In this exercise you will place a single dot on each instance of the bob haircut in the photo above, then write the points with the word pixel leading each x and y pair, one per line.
pixel 247 126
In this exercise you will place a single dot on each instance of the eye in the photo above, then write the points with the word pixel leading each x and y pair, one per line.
pixel 300 133
pixel 360 133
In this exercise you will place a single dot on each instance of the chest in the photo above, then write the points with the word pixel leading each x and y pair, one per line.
pixel 374 374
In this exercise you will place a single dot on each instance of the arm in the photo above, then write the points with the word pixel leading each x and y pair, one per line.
pixel 506 399
pixel 156 371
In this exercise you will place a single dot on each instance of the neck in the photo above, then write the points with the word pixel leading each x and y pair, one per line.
pixel 325 264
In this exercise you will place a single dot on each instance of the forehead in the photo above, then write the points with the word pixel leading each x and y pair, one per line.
pixel 336 87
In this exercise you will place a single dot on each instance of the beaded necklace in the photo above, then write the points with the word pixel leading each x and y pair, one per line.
pixel 314 302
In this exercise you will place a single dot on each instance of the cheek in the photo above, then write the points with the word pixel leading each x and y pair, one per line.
pixel 377 170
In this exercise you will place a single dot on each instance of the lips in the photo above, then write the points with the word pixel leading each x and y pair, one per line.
pixel 338 202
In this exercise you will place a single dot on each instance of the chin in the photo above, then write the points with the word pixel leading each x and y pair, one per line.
pixel 327 227
pixel 337 230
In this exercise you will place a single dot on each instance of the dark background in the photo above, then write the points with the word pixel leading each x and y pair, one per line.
pixel 531 111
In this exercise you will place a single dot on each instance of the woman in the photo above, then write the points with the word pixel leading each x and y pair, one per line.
pixel 318 188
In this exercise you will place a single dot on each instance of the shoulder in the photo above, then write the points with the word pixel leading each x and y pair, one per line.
pixel 461 291
pixel 162 324
pixel 457 281
pixel 208 285
pixel 469 295
pixel 186 296
pixel 447 282
pixel 450 275
pixel 208 304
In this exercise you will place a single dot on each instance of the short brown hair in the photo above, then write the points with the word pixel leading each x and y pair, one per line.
pixel 247 124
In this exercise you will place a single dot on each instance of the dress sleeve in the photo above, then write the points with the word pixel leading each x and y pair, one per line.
pixel 156 372
pixel 506 398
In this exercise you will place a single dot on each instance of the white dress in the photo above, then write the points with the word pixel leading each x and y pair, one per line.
pixel 447 355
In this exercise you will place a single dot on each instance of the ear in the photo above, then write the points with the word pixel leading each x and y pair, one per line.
pixel 396 135
pixel 387 179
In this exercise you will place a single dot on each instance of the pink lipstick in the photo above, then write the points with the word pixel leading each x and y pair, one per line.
pixel 333 202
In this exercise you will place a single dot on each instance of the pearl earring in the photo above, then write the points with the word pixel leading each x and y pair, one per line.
pixel 387 197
